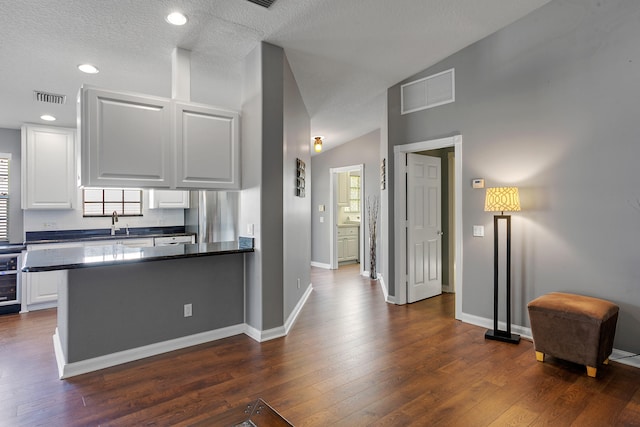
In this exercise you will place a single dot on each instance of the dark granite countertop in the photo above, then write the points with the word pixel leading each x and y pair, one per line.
pixel 117 254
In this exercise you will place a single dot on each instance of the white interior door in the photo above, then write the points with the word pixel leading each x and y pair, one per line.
pixel 424 227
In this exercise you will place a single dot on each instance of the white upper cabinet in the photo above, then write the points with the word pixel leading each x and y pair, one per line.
pixel 207 147
pixel 48 167
pixel 126 139
pixel 168 199
pixel 133 140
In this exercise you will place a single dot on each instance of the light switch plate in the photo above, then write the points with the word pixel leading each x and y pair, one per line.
pixel 478 231
pixel 477 183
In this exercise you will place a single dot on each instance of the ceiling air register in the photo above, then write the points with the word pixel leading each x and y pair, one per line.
pixel 263 3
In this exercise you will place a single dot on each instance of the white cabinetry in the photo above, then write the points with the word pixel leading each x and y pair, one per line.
pixel 42 288
pixel 168 199
pixel 207 147
pixel 126 139
pixel 48 167
pixel 135 140
pixel 348 243
pixel 173 240
pixel 142 242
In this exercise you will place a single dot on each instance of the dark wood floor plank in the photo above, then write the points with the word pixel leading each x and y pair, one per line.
pixel 351 359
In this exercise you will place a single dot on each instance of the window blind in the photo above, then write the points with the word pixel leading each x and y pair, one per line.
pixel 4 198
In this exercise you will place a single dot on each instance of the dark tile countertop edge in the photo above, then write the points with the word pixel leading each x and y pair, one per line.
pixel 111 255
pixel 61 236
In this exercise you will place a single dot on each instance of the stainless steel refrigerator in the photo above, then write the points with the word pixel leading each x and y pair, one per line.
pixel 213 215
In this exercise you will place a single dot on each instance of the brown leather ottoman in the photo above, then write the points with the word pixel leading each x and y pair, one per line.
pixel 572 327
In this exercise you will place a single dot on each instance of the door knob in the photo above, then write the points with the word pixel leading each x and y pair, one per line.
pixel 440 233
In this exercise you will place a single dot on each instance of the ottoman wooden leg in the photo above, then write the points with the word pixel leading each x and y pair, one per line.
pixel 591 371
pixel 539 356
pixel 606 361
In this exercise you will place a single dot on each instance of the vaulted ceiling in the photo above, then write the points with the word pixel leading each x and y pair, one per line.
pixel 344 53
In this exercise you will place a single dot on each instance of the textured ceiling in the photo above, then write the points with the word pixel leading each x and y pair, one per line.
pixel 344 53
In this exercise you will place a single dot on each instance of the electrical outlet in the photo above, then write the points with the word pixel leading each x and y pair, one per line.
pixel 188 310
pixel 298 283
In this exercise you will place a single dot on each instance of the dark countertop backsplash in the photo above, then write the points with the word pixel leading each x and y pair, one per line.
pixel 59 236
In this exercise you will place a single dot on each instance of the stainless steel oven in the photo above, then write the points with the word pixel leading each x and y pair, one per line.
pixel 9 282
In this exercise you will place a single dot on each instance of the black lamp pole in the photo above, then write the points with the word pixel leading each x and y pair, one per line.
pixel 496 334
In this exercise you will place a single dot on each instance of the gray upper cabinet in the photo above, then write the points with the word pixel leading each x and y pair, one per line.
pixel 134 140
pixel 207 147
pixel 125 139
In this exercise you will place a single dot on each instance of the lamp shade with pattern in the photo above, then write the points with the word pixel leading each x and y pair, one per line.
pixel 501 199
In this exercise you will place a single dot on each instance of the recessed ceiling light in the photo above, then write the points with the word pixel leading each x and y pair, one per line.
pixel 88 68
pixel 48 117
pixel 176 18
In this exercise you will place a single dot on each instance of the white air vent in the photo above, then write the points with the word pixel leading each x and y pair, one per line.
pixel 438 89
pixel 50 98
pixel 264 3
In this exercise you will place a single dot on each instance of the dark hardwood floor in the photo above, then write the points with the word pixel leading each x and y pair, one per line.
pixel 350 360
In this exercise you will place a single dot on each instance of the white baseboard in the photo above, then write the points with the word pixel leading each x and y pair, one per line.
pixel 280 331
pixel 321 265
pixel 297 309
pixel 266 335
pixel 619 356
pixel 625 358
pixel 488 324
pixel 67 370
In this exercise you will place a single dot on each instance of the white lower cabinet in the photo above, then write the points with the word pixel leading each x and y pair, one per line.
pixel 348 243
pixel 41 289
pixel 142 242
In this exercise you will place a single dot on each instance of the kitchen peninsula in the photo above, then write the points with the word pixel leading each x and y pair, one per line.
pixel 122 304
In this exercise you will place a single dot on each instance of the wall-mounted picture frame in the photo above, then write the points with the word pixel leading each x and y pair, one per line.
pixel 383 174
pixel 300 178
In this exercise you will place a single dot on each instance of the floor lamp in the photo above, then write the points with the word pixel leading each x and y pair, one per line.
pixel 501 199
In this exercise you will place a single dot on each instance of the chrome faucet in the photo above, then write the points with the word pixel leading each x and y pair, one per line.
pixel 114 220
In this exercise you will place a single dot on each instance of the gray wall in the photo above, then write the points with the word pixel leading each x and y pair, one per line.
pixel 362 150
pixel 275 130
pixel 109 309
pixel 549 104
pixel 10 143
pixel 250 196
pixel 272 214
pixel 297 210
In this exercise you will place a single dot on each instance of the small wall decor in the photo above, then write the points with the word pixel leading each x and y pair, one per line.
pixel 383 174
pixel 300 177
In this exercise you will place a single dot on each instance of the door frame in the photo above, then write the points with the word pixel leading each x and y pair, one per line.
pixel 333 215
pixel 400 214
